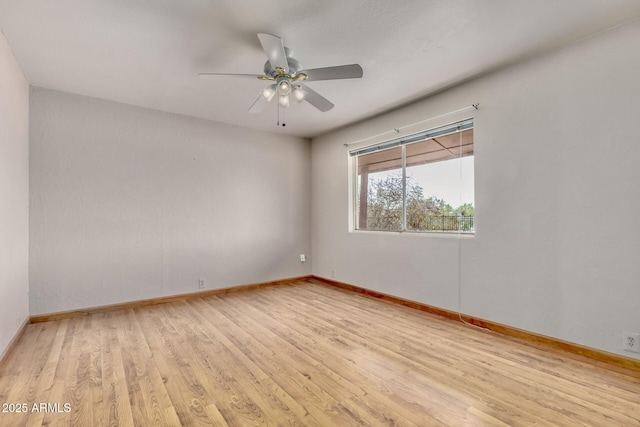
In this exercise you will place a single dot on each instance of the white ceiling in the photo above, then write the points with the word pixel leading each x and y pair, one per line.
pixel 148 52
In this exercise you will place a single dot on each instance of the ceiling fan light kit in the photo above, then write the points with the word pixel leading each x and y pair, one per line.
pixel 269 92
pixel 287 74
pixel 284 85
pixel 299 93
pixel 284 101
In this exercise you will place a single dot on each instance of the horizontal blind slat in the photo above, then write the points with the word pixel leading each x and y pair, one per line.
pixel 419 136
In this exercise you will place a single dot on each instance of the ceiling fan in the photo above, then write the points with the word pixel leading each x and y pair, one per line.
pixel 287 76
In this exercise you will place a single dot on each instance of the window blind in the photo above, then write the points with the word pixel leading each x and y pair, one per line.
pixel 419 136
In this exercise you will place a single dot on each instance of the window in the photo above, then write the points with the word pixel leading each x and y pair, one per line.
pixel 421 182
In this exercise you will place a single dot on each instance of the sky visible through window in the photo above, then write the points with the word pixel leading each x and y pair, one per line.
pixel 450 180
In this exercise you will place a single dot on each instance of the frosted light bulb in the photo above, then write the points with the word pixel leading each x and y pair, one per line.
pixel 299 93
pixel 284 88
pixel 284 101
pixel 269 92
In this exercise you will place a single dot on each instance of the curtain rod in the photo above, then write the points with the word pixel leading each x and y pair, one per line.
pixel 399 129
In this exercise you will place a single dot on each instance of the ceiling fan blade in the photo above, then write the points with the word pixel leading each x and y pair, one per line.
pixel 317 100
pixel 352 71
pixel 213 76
pixel 258 105
pixel 274 49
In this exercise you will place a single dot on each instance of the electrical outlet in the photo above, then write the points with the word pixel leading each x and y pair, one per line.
pixel 202 283
pixel 303 257
pixel 631 342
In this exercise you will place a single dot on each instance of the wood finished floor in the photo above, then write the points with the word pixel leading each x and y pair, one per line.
pixel 300 355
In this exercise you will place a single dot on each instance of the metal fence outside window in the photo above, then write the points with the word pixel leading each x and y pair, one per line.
pixel 465 224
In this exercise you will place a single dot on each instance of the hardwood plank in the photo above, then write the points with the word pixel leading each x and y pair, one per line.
pixel 147 393
pixel 300 354
pixel 48 373
pixel 63 377
pixel 95 370
pixel 117 408
pixel 263 391
pixel 28 379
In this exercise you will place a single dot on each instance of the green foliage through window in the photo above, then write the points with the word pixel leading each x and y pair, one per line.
pixel 384 208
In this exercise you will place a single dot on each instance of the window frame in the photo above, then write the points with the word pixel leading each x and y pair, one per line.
pixel 402 142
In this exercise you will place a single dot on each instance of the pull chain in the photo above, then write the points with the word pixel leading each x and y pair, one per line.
pixel 283 121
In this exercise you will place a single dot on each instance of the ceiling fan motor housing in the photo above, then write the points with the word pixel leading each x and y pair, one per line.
pixel 294 65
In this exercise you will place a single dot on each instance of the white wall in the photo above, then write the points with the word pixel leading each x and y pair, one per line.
pixel 14 196
pixel 129 203
pixel 557 169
